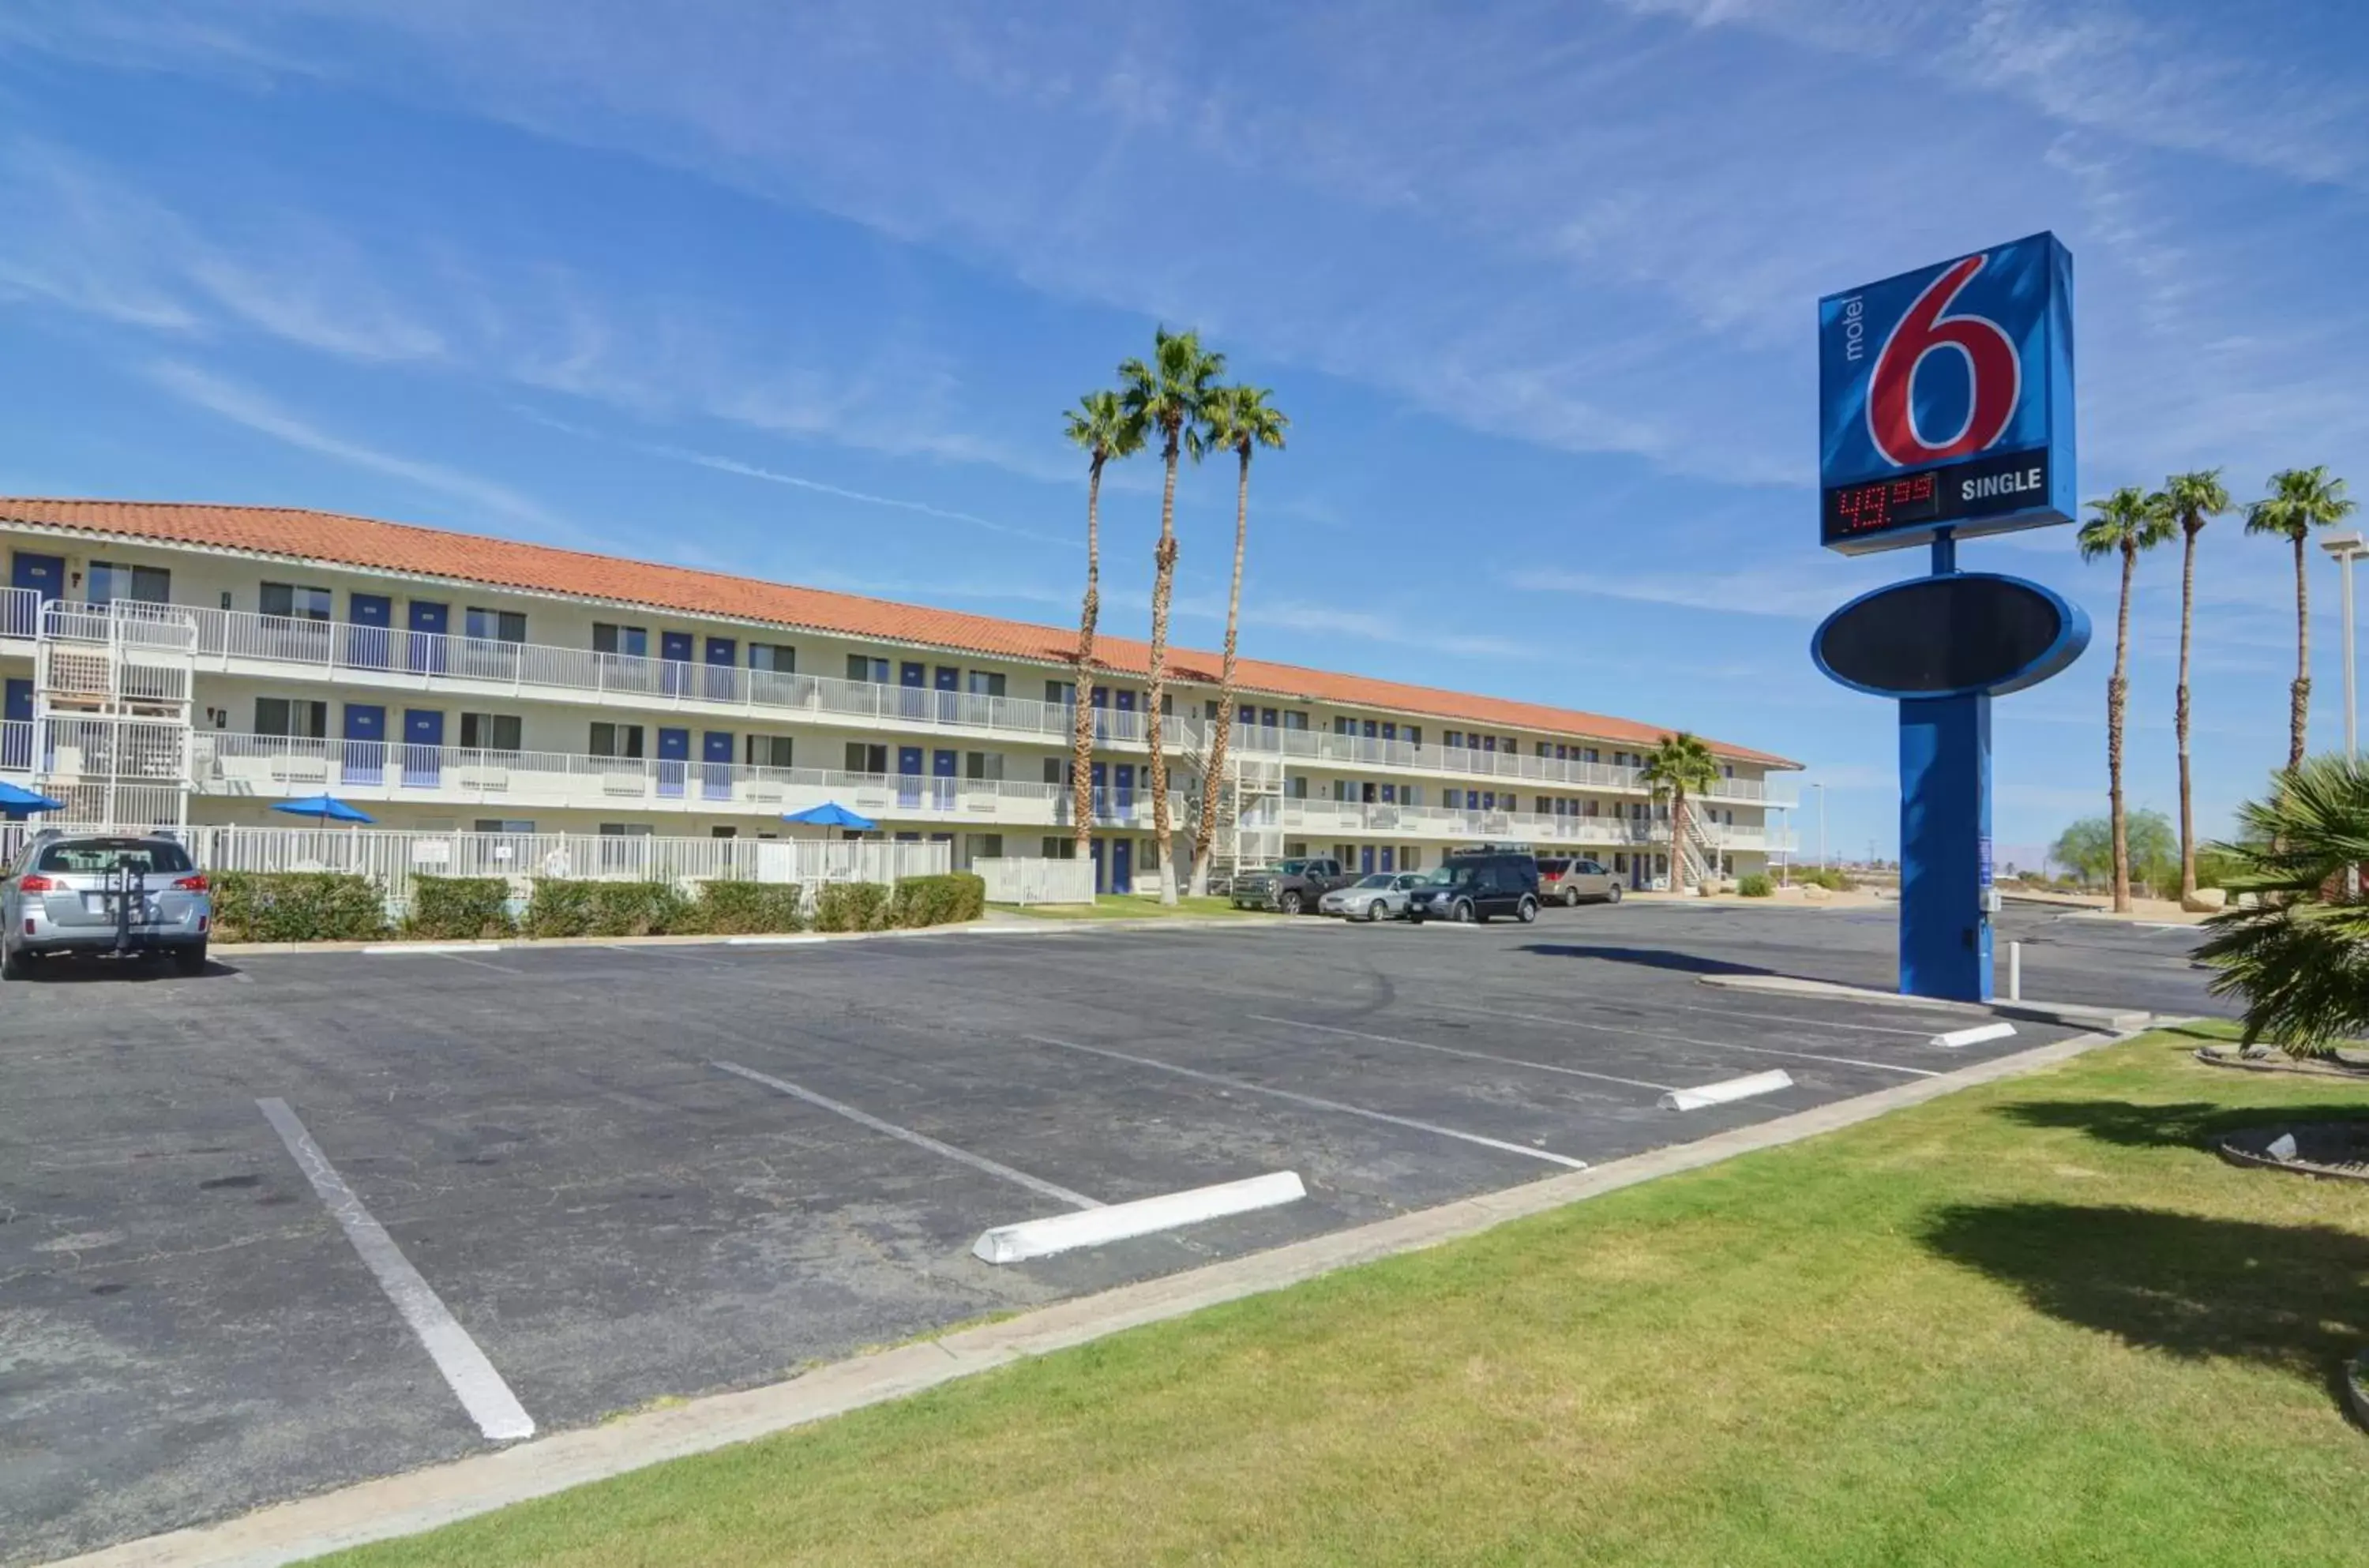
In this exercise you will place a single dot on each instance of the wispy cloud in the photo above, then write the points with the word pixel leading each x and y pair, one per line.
pixel 244 406
pixel 816 486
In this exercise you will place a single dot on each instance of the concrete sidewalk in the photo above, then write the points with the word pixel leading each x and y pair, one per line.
pixel 404 1505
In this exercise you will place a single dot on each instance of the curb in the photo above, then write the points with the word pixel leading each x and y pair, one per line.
pixel 529 944
pixel 2110 1020
pixel 443 1493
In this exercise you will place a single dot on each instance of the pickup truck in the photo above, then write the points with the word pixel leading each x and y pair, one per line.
pixel 1289 886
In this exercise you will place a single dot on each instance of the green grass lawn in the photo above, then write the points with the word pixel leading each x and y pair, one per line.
pixel 1123 906
pixel 2028 1325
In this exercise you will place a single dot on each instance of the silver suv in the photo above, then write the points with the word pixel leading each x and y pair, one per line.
pixel 75 893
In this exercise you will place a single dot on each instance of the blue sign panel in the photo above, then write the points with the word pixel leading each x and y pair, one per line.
pixel 1945 400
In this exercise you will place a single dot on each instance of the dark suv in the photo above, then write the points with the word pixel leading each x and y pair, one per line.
pixel 1477 887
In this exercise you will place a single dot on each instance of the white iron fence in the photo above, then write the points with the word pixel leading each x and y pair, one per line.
pixel 394 858
pixel 1017 880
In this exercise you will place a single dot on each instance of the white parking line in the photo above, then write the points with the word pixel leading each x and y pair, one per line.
pixel 1311 1100
pixel 1453 1051
pixel 1782 1018
pixel 919 1139
pixel 481 1391
pixel 1686 1039
pixel 428 949
pixel 1122 1221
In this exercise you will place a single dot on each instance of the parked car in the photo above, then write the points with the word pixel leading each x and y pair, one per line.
pixel 75 893
pixel 1378 896
pixel 1576 882
pixel 1289 886
pixel 1477 887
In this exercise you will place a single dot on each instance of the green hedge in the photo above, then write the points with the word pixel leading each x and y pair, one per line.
pixel 750 909
pixel 1755 884
pixel 561 908
pixel 938 900
pixel 459 909
pixel 852 906
pixel 297 906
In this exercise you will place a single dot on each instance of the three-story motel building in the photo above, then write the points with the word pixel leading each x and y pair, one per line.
pixel 171 664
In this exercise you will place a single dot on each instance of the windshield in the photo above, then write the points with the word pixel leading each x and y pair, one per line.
pixel 1449 876
pixel 106 854
pixel 1379 879
pixel 1289 867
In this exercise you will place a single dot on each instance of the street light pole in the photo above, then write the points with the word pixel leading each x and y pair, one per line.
pixel 2347 549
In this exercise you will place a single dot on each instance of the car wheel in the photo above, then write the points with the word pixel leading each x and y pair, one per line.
pixel 1528 911
pixel 1462 914
pixel 1288 903
pixel 1612 895
pixel 1373 912
pixel 12 964
pixel 191 959
pixel 1571 897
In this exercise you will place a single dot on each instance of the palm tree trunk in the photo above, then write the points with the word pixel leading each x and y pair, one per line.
pixel 2118 693
pixel 1163 577
pixel 1213 768
pixel 1678 841
pixel 2299 704
pixel 2180 718
pixel 1081 733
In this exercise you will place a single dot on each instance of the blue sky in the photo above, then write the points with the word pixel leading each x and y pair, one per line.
pixel 801 291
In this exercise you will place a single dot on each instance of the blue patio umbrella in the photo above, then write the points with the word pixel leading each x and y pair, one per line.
pixel 831 814
pixel 16 804
pixel 328 809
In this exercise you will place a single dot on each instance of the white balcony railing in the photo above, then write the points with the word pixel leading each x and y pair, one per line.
pixel 20 609
pixel 16 746
pixel 364 771
pixel 425 660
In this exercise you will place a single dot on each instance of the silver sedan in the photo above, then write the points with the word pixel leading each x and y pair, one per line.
pixel 1378 895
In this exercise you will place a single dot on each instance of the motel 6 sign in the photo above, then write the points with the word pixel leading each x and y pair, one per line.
pixel 1945 400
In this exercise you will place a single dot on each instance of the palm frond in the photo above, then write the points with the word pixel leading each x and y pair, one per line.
pixel 2300 500
pixel 2129 519
pixel 2300 958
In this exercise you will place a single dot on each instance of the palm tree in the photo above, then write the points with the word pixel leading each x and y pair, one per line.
pixel 1680 765
pixel 1240 418
pixel 2300 500
pixel 1102 429
pixel 2194 499
pixel 1172 396
pixel 2301 956
pixel 2126 522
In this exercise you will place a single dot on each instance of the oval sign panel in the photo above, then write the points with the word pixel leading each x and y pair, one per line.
pixel 1950 637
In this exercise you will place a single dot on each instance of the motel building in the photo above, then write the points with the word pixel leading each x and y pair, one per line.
pixel 184 665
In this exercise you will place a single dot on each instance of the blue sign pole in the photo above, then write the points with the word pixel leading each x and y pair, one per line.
pixel 1945 836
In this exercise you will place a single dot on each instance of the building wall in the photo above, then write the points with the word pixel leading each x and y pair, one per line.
pixel 236 699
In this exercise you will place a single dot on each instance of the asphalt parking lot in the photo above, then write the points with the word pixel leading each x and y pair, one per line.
pixel 308 1219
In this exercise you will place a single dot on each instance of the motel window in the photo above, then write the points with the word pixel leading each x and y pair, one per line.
pixel 986 683
pixel 1453 741
pixel 768 750
pixel 1059 849
pixel 1296 787
pixel 625 830
pixel 1340 724
pixel 1060 694
pixel 291 717
pixel 723 833
pixel 616 741
pixel 1056 769
pixel 493 625
pixel 502 825
pixel 144 585
pixel 983 765
pixel 1414 735
pixel 863 667
pixel 864 758
pixel 1295 719
pixel 779 658
pixel 633 641
pixel 295 602
pixel 489 732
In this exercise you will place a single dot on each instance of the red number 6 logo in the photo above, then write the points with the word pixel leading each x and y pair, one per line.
pixel 1992 364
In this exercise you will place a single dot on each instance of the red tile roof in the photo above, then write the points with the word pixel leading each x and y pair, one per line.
pixel 469 557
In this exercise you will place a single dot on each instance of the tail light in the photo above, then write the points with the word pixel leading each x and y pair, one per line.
pixel 33 882
pixel 193 883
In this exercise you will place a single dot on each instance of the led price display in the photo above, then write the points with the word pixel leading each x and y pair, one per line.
pixel 1860 508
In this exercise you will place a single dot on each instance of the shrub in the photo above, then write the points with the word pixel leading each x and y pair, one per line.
pixel 297 906
pixel 562 907
pixel 937 900
pixel 459 909
pixel 1755 884
pixel 750 909
pixel 851 906
pixel 1833 881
